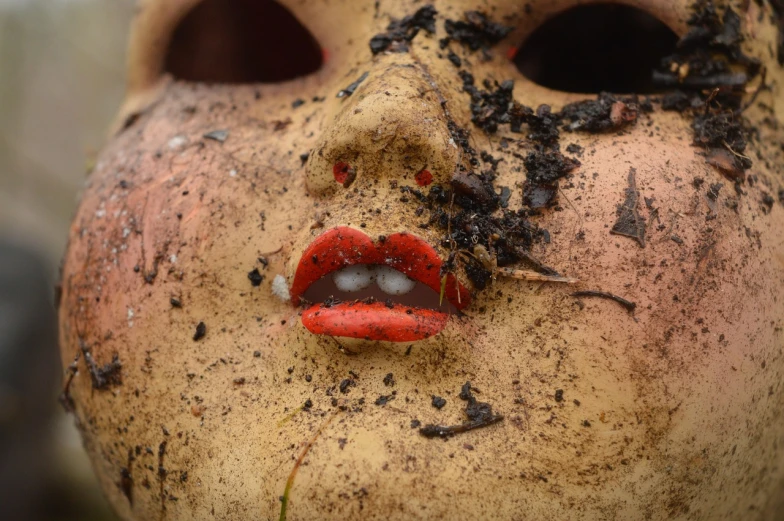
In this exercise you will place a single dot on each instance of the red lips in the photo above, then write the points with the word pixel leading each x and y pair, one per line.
pixel 342 247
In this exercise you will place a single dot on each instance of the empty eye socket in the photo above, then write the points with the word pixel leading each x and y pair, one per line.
pixel 241 41
pixel 597 47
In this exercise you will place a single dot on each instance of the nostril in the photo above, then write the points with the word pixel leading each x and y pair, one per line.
pixel 423 177
pixel 344 174
pixel 595 48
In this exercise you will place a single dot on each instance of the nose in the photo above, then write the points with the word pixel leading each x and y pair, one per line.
pixel 393 127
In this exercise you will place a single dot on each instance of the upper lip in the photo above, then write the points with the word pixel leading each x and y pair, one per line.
pixel 344 246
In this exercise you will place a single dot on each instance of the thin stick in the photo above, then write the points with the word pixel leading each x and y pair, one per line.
pixel 627 304
pixel 289 416
pixel 451 249
pixel 534 276
pixel 284 502
pixel 738 154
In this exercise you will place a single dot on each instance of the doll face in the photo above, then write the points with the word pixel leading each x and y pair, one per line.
pixel 414 283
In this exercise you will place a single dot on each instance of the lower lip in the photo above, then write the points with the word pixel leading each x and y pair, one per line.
pixel 374 321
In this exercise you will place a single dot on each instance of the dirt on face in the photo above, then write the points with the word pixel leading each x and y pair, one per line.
pixel 476 31
pixel 400 32
pixel 597 365
pixel 711 73
pixel 479 415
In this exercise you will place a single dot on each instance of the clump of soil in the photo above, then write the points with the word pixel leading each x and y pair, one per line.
pixel 496 106
pixel 722 132
pixel 490 108
pixel 255 277
pixel 508 236
pixel 467 209
pixel 400 32
pixel 705 55
pixel 603 114
pixel 346 385
pixel 201 331
pixel 542 124
pixel 105 375
pixel 474 191
pixel 711 72
pixel 479 414
pixel 680 101
pixel 543 170
pixel 475 31
pixel 384 399
pixel 473 210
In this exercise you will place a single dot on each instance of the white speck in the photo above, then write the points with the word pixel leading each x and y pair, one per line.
pixel 452 142
pixel 280 288
pixel 126 232
pixel 173 259
pixel 130 317
pixel 100 213
pixel 233 173
pixel 177 142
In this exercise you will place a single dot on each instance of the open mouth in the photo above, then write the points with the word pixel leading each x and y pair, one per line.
pixel 388 290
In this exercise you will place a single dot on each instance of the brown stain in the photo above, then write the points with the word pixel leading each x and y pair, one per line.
pixel 126 478
pixel 162 473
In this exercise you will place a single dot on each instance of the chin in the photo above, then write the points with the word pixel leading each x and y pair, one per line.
pixel 407 285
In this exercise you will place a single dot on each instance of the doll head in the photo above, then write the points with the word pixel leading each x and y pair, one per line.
pixel 395 260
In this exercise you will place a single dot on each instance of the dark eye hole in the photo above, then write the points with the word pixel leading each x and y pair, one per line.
pixel 241 41
pixel 595 48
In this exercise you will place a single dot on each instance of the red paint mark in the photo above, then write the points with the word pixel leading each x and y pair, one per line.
pixel 423 177
pixel 324 55
pixel 340 171
pixel 511 52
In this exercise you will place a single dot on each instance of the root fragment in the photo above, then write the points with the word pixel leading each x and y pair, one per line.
pixel 531 275
pixel 284 499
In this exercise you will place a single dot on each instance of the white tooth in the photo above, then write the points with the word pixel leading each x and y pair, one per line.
pixel 393 282
pixel 353 278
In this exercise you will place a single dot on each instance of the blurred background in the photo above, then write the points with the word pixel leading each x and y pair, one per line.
pixel 61 80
